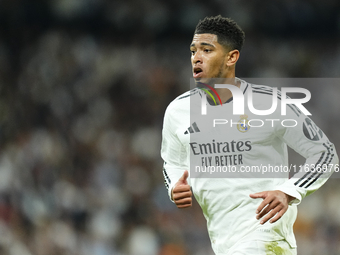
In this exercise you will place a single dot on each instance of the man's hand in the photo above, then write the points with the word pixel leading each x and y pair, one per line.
pixel 274 205
pixel 181 193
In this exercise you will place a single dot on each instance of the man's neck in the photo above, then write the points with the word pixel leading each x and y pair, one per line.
pixel 225 94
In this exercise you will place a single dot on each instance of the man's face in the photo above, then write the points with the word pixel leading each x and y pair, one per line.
pixel 207 58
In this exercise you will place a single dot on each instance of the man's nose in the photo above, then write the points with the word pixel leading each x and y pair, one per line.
pixel 197 58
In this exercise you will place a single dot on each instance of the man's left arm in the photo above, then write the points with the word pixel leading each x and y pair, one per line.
pixel 321 160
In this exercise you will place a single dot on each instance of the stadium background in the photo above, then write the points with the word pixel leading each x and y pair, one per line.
pixel 83 88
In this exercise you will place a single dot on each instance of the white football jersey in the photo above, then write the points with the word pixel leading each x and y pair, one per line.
pixel 231 156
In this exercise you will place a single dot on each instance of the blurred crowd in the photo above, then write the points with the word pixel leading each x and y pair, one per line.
pixel 83 88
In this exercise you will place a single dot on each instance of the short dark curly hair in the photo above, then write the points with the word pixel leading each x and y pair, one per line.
pixel 229 34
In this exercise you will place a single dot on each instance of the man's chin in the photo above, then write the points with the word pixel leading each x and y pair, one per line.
pixel 202 80
pixel 208 81
pixel 213 81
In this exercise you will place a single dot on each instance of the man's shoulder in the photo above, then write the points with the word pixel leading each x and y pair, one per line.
pixel 178 111
pixel 261 89
pixel 265 91
pixel 186 95
pixel 183 100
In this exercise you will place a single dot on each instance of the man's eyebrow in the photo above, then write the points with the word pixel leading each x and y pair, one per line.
pixel 207 44
pixel 203 44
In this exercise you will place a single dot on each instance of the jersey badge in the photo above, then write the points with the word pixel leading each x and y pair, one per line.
pixel 242 124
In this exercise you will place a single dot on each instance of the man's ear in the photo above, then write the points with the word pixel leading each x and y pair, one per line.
pixel 232 57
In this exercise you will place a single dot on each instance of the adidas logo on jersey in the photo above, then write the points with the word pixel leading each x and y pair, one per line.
pixel 192 129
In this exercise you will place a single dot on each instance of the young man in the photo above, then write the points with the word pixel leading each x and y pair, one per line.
pixel 238 222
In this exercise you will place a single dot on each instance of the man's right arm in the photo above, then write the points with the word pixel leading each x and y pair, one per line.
pixel 181 192
pixel 174 168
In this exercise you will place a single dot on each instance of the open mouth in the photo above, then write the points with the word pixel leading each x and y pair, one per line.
pixel 198 72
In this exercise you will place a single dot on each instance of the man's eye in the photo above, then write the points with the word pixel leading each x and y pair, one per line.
pixel 207 50
pixel 192 52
